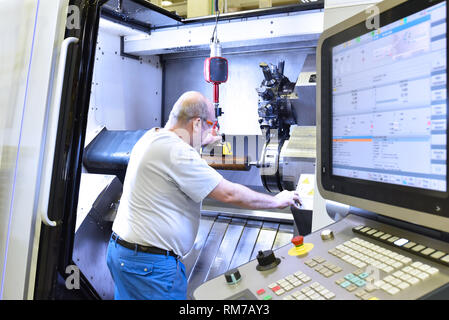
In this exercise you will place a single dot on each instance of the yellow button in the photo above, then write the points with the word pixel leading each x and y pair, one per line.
pixel 373 298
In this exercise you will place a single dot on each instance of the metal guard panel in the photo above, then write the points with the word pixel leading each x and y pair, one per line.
pixel 110 151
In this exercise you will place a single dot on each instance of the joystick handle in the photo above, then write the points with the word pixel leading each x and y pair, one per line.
pixel 267 260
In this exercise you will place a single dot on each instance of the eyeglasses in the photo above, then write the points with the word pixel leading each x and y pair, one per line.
pixel 213 124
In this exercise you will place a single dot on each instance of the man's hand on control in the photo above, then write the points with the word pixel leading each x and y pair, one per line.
pixel 288 198
pixel 242 196
pixel 211 140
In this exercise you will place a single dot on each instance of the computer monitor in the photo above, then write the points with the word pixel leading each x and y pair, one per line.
pixel 382 112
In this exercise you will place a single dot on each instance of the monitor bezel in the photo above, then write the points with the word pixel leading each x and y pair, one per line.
pixel 423 200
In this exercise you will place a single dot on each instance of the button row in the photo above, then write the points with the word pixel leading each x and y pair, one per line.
pixel 355 280
pixel 361 253
pixel 364 295
pixel 286 284
pixel 315 291
pixel 405 244
pixel 406 277
pixel 323 267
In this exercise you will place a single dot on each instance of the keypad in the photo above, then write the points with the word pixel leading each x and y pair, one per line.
pixel 400 272
pixel 361 253
pixel 404 244
pixel 286 284
pixel 353 281
pixel 406 277
pixel 315 291
pixel 325 268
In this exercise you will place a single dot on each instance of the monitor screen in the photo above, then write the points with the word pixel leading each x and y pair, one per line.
pixel 389 103
pixel 382 108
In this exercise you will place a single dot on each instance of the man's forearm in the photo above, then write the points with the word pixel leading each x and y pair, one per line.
pixel 244 197
pixel 249 199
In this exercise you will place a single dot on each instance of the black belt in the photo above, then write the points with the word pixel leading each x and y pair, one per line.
pixel 138 247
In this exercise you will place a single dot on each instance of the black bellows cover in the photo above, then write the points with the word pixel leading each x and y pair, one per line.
pixel 109 152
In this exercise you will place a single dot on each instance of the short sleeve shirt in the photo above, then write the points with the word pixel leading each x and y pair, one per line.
pixel 164 186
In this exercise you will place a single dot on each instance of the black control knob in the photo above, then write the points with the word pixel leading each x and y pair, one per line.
pixel 233 276
pixel 267 260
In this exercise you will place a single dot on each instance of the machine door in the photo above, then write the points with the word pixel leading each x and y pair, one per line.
pixel 63 153
pixel 59 274
pixel 31 42
pixel 46 61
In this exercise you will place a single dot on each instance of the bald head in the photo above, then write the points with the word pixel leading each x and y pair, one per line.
pixel 190 105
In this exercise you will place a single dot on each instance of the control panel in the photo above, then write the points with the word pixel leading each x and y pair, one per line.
pixel 355 258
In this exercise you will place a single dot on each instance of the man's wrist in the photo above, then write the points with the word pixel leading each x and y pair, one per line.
pixel 277 203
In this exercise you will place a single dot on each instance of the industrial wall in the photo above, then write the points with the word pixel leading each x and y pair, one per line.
pixel 126 91
pixel 238 96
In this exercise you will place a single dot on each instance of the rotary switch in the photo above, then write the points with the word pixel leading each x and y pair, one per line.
pixel 267 260
pixel 233 276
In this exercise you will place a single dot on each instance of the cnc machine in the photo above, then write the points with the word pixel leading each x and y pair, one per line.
pixel 382 144
pixel 360 113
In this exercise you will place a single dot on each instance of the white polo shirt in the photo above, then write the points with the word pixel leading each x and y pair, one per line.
pixel 164 186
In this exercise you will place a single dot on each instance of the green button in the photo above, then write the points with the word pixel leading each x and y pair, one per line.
pixel 267 298
pixel 350 276
pixel 364 275
pixel 360 283
pixel 355 280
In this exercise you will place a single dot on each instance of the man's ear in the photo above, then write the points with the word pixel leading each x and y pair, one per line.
pixel 196 125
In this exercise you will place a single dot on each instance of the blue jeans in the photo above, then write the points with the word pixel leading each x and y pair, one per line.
pixel 145 276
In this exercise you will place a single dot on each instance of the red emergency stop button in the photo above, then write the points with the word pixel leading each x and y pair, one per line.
pixel 298 241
